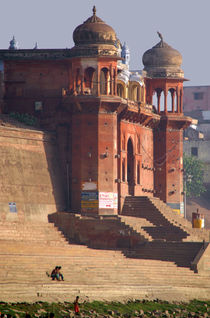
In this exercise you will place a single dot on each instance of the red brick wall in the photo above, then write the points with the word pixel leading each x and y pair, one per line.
pixel 168 155
pixel 143 155
pixel 30 81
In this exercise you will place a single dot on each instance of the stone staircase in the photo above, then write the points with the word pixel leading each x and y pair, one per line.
pixel 127 234
pixel 149 270
pixel 30 233
pixel 137 225
pixel 91 273
pixel 164 224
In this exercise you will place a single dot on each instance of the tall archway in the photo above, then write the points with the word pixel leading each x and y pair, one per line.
pixel 135 93
pixel 78 81
pixel 88 79
pixel 104 80
pixel 130 167
pixel 169 100
pixel 120 90
pixel 159 100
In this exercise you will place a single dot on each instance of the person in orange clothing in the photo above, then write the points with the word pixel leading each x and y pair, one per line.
pixel 76 306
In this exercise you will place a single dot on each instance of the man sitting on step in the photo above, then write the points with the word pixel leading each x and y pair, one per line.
pixel 56 274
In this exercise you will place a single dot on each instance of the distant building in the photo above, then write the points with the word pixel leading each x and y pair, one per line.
pixel 196 104
pixel 196 98
pixel 195 144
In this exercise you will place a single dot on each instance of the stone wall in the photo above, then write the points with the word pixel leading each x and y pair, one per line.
pixel 29 175
pixel 104 232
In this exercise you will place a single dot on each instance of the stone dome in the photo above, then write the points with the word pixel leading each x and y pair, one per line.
pixel 94 31
pixel 163 61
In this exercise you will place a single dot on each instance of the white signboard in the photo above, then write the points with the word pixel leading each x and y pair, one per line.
pixel 108 200
pixel 89 186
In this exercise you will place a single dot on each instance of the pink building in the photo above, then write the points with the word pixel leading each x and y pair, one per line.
pixel 196 98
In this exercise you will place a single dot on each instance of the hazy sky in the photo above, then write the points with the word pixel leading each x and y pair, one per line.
pixel 184 24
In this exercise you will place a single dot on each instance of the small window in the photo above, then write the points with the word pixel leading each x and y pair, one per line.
pixel 123 170
pixel 38 106
pixel 198 95
pixel 194 151
pixel 138 144
pixel 138 173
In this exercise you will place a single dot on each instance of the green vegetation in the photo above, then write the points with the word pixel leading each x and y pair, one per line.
pixel 137 308
pixel 194 171
pixel 24 118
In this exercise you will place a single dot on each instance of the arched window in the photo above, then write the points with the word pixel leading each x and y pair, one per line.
pixel 142 91
pixel 169 100
pixel 159 100
pixel 104 80
pixel 135 93
pixel 120 90
pixel 89 80
pixel 138 144
pixel 78 81
pixel 123 170
pixel 138 172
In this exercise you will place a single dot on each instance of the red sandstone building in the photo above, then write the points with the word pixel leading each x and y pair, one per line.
pixel 114 139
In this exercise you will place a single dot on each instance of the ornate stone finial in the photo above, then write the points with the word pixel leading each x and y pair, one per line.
pixel 94 10
pixel 13 45
pixel 160 36
pixel 36 46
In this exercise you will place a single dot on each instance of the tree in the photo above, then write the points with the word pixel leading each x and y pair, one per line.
pixel 193 174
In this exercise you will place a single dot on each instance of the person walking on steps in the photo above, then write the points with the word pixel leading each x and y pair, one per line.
pixel 76 306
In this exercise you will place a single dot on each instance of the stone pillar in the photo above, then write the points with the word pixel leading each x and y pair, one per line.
pixel 98 81
pixel 111 80
pixel 177 100
pixel 173 97
pixel 82 80
pixel 181 101
pixel 115 81
pixel 74 80
pixel 165 100
pixel 158 100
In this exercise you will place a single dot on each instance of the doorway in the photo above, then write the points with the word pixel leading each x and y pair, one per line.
pixel 130 167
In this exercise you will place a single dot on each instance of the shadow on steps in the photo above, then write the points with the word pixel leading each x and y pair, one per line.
pixel 181 253
pixel 110 233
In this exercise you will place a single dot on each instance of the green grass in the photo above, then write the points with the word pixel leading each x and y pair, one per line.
pixel 24 118
pixel 40 309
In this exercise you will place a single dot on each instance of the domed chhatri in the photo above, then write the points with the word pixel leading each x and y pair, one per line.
pixel 163 61
pixel 95 32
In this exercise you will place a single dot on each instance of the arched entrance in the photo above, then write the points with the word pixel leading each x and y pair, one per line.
pixel 130 167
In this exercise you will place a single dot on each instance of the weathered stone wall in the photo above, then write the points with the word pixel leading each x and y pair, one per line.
pixel 99 232
pixel 29 175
